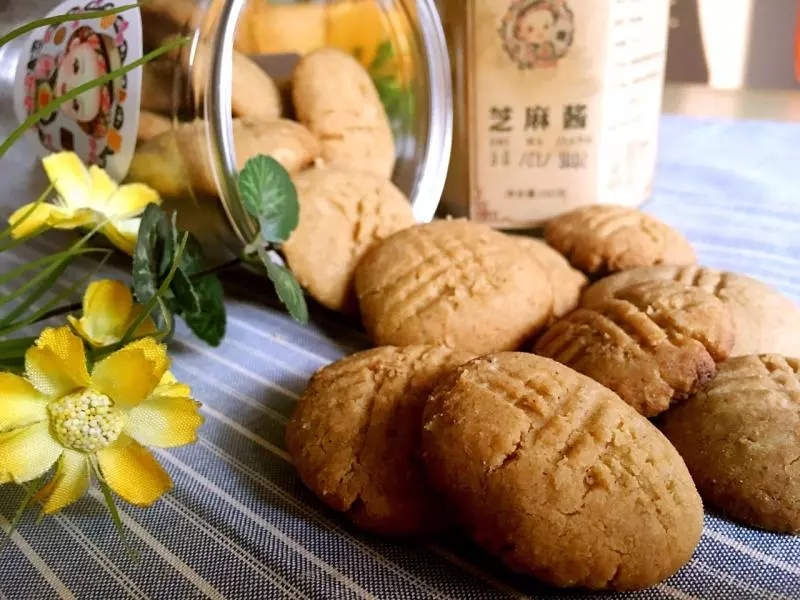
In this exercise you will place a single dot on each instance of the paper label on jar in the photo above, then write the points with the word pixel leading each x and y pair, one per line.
pixel 100 124
pixel 564 104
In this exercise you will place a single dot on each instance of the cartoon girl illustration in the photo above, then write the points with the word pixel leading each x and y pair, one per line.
pixel 87 55
pixel 537 33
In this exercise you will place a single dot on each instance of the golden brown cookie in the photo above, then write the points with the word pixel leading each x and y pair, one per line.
pixel 178 160
pixel 454 283
pixel 354 437
pixel 335 98
pixel 151 125
pixel 567 282
pixel 740 438
pixel 253 94
pixel 157 87
pixel 342 214
pixel 766 321
pixel 606 239
pixel 653 343
pixel 557 476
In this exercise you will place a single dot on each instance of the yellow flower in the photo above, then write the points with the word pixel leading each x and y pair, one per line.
pixel 60 413
pixel 108 311
pixel 87 197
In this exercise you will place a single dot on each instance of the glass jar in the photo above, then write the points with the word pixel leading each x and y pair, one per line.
pixel 275 35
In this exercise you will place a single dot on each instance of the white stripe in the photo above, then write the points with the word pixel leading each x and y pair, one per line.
pixel 274 338
pixel 234 548
pixel 247 433
pixel 125 582
pixel 752 552
pixel 270 359
pixel 264 524
pixel 36 561
pixel 756 591
pixel 318 517
pixel 181 567
pixel 226 389
pixel 232 365
pixel 3 596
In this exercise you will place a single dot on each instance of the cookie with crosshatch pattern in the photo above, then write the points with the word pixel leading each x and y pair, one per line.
pixel 766 321
pixel 557 476
pixel 740 438
pixel 607 239
pixel 354 437
pixel 452 282
pixel 653 343
pixel 342 214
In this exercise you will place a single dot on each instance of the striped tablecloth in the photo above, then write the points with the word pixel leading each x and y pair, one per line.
pixel 240 525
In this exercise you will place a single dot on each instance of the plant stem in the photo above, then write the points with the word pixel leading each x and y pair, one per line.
pixel 56 19
pixel 61 310
pixel 75 92
pixel 235 262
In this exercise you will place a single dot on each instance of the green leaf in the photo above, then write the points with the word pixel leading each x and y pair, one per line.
pixel 269 195
pixel 287 287
pixel 151 249
pixel 209 322
pixel 383 55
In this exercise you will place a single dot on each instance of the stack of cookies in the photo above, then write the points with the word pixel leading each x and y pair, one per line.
pixel 570 431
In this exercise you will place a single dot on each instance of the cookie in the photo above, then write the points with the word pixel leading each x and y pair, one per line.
pixel 557 476
pixel 740 438
pixel 454 283
pixel 177 162
pixel 151 125
pixel 567 282
pixel 653 343
pixel 253 93
pixel 354 437
pixel 157 87
pixel 342 214
pixel 606 239
pixel 766 321
pixel 336 99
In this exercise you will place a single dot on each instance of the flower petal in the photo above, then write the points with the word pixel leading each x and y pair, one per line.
pixel 124 240
pixel 68 484
pixel 107 306
pixel 47 215
pixel 146 327
pixel 168 418
pixel 70 178
pixel 103 189
pixel 133 473
pixel 56 365
pixel 20 403
pixel 27 453
pixel 129 376
pixel 131 199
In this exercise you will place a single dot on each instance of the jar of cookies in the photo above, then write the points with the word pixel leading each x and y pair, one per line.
pixel 359 84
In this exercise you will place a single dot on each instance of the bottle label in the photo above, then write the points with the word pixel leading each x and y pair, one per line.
pixel 564 101
pixel 100 124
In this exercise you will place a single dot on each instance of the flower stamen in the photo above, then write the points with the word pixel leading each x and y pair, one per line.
pixel 85 421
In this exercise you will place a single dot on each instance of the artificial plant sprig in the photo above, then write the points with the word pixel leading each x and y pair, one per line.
pixel 268 194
